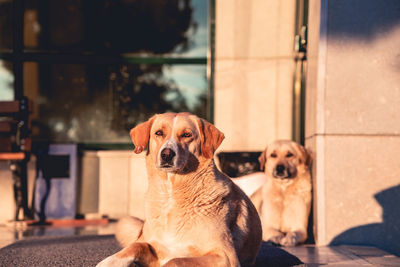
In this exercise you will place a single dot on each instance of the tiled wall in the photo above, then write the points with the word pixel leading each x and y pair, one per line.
pixel 254 72
pixel 122 183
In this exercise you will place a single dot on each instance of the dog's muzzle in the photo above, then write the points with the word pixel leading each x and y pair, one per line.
pixel 167 157
pixel 281 172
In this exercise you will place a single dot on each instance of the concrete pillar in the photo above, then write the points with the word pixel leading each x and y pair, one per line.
pixel 353 121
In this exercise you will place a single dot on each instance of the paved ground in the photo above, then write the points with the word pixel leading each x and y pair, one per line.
pixel 343 256
pixel 85 246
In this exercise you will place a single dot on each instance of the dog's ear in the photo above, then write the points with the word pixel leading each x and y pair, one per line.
pixel 210 138
pixel 308 157
pixel 263 159
pixel 140 135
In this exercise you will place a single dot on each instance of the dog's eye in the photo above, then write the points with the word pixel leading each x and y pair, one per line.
pixel 289 155
pixel 273 155
pixel 159 133
pixel 186 135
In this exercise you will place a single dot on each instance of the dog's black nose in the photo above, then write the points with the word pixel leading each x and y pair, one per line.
pixel 280 169
pixel 167 155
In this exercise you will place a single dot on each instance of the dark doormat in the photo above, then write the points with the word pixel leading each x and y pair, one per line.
pixel 90 250
pixel 59 251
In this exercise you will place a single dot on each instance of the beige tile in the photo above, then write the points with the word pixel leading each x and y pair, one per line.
pixel 224 33
pixel 122 183
pixel 252 102
pixel 114 183
pixel 138 185
pixel 286 27
pixel 244 99
pixel 284 99
pixel 254 29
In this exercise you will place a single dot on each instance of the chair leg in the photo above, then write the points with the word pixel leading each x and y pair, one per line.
pixel 20 180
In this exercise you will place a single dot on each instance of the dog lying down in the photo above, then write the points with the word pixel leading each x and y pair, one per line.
pixel 195 215
pixel 282 195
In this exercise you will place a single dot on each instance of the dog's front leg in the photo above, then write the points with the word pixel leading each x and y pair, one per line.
pixel 273 235
pixel 202 261
pixel 291 239
pixel 137 254
pixel 217 260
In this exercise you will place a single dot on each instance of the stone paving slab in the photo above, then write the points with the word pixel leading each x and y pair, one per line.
pixel 312 255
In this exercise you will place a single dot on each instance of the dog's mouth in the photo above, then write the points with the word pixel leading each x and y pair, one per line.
pixel 282 172
pixel 281 176
pixel 167 166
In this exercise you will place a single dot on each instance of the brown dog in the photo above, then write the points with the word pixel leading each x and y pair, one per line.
pixel 284 201
pixel 195 215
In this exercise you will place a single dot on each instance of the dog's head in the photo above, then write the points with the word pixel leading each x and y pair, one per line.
pixel 284 159
pixel 176 140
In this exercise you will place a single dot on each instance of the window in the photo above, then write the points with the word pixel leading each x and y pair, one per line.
pixel 95 69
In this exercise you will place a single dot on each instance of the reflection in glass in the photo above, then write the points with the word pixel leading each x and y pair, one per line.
pixel 197 33
pixel 190 82
pixel 6 81
pixel 6 24
pixel 101 103
pixel 126 26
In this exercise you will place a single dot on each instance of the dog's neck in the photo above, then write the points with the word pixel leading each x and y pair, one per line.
pixel 168 182
pixel 283 184
pixel 286 184
pixel 191 177
pixel 191 190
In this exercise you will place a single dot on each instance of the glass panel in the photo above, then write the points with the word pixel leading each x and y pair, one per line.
pixel 6 24
pixel 198 32
pixel 155 27
pixel 6 81
pixel 101 103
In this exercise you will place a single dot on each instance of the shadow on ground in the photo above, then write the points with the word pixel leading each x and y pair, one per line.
pixel 270 256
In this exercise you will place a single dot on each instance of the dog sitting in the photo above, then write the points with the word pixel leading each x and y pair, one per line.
pixel 284 200
pixel 194 214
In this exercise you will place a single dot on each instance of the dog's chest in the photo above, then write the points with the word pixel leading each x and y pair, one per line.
pixel 168 215
pixel 175 219
pixel 176 208
pixel 177 216
pixel 171 229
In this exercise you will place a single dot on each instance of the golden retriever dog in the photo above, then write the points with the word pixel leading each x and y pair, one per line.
pixel 194 214
pixel 284 200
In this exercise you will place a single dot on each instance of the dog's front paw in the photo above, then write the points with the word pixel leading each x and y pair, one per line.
pixel 276 239
pixel 290 240
pixel 117 262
